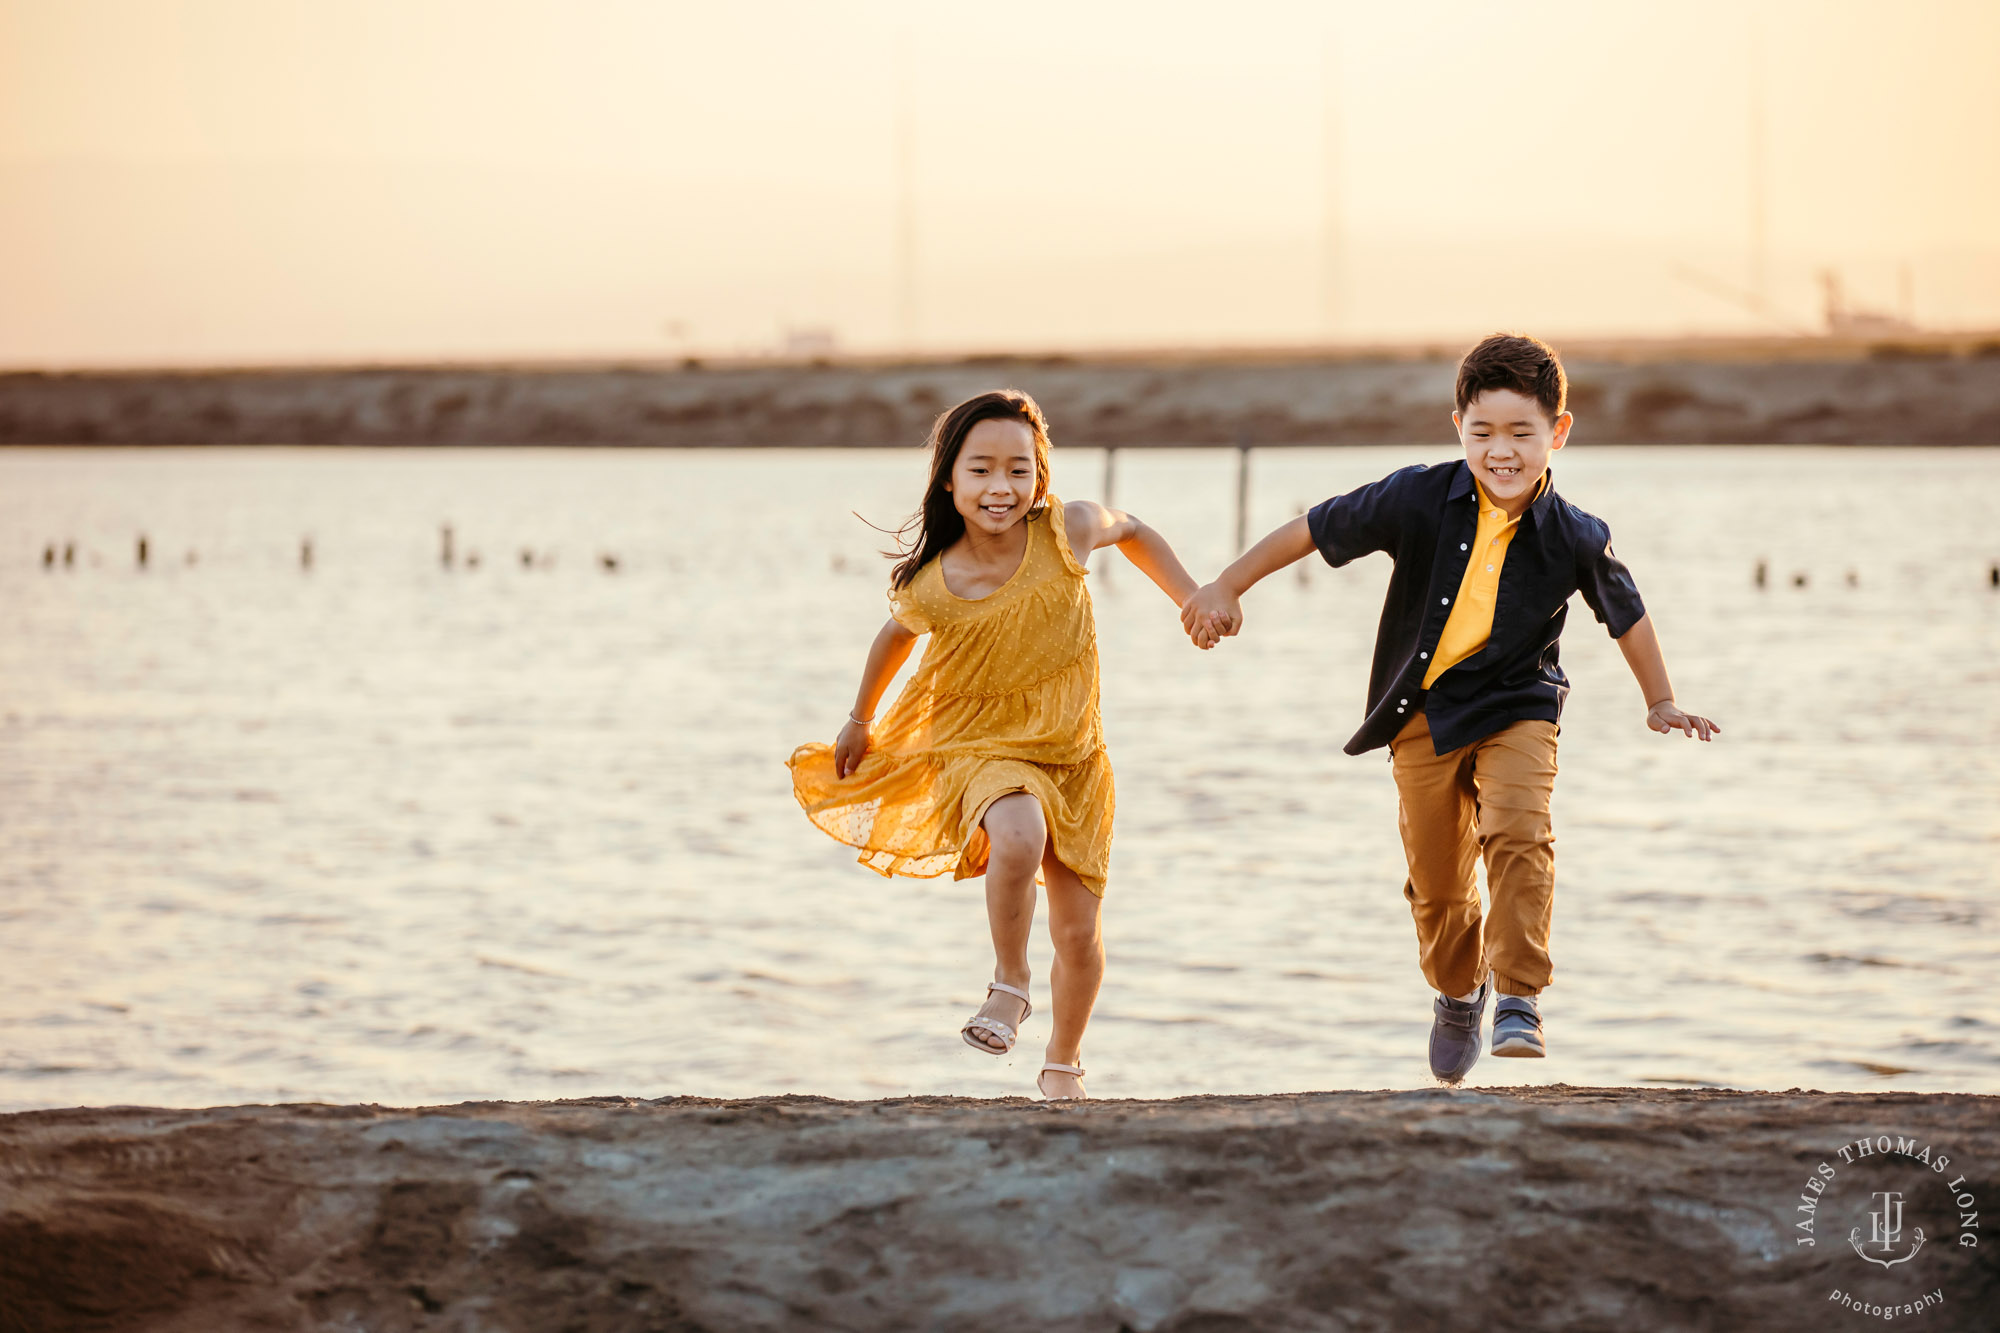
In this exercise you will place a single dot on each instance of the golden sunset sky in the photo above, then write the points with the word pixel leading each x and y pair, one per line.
pixel 198 181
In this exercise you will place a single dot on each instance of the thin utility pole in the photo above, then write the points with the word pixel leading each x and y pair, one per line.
pixel 906 201
pixel 1333 240
pixel 1760 281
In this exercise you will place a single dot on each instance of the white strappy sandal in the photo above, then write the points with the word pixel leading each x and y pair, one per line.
pixel 981 1023
pixel 1053 1067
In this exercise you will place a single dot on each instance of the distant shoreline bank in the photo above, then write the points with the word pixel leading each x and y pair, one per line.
pixel 1517 1208
pixel 1937 391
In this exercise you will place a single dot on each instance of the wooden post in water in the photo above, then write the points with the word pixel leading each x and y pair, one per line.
pixel 1242 491
pixel 444 552
pixel 1110 473
pixel 142 550
pixel 306 553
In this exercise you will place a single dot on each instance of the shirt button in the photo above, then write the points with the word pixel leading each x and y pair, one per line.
pixel 1444 601
pixel 1402 701
pixel 1489 569
pixel 1399 710
pixel 1424 656
pixel 1463 547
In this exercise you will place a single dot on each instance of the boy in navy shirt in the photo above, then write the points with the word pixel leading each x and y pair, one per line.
pixel 1466 687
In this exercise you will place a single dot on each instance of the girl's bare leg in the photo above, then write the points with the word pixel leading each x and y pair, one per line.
pixel 1076 929
pixel 1017 831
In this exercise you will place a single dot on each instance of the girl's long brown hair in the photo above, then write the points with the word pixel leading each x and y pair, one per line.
pixel 937 524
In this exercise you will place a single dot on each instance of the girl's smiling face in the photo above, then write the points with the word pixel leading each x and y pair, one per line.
pixel 993 480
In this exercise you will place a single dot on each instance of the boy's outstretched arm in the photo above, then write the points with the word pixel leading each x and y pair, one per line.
pixel 1641 646
pixel 1091 526
pixel 1216 611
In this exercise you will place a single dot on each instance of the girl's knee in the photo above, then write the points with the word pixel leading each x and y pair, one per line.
pixel 1017 809
pixel 1016 830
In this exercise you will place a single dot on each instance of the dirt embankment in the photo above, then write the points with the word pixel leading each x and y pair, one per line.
pixel 1894 394
pixel 1554 1208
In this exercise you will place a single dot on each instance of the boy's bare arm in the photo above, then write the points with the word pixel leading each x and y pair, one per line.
pixel 1216 610
pixel 1641 646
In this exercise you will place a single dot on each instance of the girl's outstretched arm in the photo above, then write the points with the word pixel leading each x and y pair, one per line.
pixel 1090 526
pixel 885 658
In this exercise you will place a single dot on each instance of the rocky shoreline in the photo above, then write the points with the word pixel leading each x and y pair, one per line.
pixel 1543 1208
pixel 1942 392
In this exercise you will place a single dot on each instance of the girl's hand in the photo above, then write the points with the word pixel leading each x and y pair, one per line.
pixel 849 747
pixel 1211 614
pixel 1666 716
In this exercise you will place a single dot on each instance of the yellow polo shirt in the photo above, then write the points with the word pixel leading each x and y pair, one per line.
pixel 1470 623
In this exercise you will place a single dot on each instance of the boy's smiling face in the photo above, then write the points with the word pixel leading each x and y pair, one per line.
pixel 1508 439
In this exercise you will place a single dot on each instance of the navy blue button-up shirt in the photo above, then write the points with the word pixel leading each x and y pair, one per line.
pixel 1425 517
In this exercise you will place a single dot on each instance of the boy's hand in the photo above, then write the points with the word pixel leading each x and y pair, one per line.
pixel 1666 716
pixel 1211 614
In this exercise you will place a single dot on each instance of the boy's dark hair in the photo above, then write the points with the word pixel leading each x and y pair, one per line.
pixel 1528 366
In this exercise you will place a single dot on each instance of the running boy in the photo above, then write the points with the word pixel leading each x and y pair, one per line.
pixel 1465 689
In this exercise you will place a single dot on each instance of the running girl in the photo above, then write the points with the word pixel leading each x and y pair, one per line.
pixel 991 761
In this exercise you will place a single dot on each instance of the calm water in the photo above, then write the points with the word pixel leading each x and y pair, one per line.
pixel 385 833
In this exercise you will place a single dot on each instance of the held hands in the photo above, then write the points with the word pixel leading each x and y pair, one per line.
pixel 1211 614
pixel 1666 716
pixel 849 747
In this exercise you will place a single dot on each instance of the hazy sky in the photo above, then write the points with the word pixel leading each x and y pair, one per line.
pixel 199 180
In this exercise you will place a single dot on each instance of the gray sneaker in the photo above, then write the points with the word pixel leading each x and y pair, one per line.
pixel 1455 1034
pixel 1517 1028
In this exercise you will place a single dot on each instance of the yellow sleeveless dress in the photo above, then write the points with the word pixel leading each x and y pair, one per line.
pixel 1004 700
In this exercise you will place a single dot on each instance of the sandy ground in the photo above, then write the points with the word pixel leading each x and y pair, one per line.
pixel 1943 392
pixel 1549 1208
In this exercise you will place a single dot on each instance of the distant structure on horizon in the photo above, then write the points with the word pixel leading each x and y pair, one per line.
pixel 1843 320
pixel 1851 321
pixel 809 341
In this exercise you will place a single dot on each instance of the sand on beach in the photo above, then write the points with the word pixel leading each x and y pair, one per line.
pixel 1546 1208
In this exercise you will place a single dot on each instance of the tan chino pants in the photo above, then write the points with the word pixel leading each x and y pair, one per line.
pixel 1488 799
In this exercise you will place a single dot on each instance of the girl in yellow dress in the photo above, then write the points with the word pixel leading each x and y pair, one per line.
pixel 991 761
